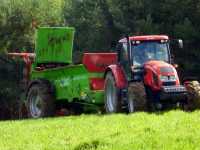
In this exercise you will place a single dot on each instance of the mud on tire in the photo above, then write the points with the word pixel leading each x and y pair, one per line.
pixel 136 97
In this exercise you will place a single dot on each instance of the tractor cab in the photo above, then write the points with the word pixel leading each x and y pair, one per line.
pixel 143 51
pixel 140 50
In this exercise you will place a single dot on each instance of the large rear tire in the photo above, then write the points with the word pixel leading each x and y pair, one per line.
pixel 112 95
pixel 40 100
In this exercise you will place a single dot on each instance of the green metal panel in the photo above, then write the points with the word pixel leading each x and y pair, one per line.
pixel 54 44
pixel 96 97
pixel 70 82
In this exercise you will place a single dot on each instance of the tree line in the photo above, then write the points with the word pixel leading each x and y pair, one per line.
pixel 99 23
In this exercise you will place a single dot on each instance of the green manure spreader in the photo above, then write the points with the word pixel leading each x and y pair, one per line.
pixel 53 83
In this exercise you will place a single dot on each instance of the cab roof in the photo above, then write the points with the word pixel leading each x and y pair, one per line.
pixel 146 38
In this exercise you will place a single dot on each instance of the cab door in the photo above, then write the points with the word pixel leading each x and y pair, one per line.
pixel 124 59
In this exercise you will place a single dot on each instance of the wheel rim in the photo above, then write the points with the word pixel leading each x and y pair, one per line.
pixel 35 104
pixel 131 108
pixel 110 96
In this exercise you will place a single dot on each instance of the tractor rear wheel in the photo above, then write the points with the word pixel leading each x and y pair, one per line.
pixel 136 97
pixel 40 100
pixel 112 95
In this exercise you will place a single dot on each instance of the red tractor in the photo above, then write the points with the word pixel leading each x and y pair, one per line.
pixel 144 76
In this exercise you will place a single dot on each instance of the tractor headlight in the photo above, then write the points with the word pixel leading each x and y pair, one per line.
pixel 168 78
pixel 164 78
pixel 172 78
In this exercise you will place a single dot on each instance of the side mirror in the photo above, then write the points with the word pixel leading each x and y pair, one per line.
pixel 180 43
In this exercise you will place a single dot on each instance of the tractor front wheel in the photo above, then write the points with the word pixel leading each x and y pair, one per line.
pixel 40 101
pixel 112 95
pixel 136 97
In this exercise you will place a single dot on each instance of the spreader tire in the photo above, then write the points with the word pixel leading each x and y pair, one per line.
pixel 40 101
pixel 112 95
pixel 193 99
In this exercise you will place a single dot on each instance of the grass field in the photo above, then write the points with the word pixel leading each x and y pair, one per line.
pixel 141 131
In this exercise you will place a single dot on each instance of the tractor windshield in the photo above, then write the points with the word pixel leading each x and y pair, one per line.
pixel 149 50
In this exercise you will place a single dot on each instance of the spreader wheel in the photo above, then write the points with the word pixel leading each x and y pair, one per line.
pixel 193 99
pixel 112 95
pixel 40 101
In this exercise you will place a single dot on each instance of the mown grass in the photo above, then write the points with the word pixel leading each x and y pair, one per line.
pixel 170 130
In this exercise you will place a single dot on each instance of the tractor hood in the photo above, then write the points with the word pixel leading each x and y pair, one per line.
pixel 160 67
pixel 160 73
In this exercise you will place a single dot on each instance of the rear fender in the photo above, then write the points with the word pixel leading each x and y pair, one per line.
pixel 119 75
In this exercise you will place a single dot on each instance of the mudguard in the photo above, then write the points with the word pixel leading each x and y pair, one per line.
pixel 119 75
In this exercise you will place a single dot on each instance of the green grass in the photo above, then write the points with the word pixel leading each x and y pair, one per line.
pixel 169 130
